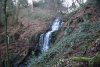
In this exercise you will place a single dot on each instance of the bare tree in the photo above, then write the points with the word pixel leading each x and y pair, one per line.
pixel 17 10
pixel 7 43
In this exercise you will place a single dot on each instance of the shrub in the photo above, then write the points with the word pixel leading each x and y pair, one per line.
pixel 69 30
pixel 85 27
pixel 59 47
pixel 96 27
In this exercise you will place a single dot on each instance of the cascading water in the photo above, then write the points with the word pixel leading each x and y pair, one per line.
pixel 45 39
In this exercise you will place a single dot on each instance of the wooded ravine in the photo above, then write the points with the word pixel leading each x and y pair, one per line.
pixel 49 33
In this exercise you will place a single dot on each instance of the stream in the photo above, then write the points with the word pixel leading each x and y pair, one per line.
pixel 45 39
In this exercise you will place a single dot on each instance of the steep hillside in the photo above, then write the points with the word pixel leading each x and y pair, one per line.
pixel 24 35
pixel 78 43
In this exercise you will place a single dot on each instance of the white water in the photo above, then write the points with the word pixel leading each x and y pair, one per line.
pixel 45 40
pixel 47 37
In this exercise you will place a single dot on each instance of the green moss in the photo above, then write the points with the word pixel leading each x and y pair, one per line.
pixel 96 59
pixel 95 62
pixel 81 59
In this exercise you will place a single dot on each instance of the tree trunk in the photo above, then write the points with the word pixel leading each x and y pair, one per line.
pixel 7 43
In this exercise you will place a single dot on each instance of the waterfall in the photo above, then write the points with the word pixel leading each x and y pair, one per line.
pixel 46 38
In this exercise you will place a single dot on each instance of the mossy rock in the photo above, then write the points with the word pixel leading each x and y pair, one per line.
pixel 95 61
pixel 81 59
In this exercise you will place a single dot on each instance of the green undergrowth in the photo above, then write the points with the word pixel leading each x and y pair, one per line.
pixel 87 32
pixel 92 61
pixel 81 59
